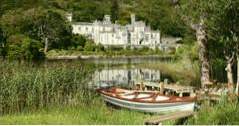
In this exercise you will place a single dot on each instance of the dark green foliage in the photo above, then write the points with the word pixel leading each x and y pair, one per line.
pixel 100 47
pixel 20 47
pixel 50 24
pixel 223 34
pixel 90 46
pixel 160 14
pixel 78 40
pixel 224 25
pixel 114 48
pixel 32 49
pixel 2 44
pixel 38 24
pixel 81 43
pixel 89 10
pixel 115 10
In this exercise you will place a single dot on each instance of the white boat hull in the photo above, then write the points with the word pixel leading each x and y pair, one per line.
pixel 151 107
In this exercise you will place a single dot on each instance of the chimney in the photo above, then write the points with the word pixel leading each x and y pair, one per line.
pixel 132 18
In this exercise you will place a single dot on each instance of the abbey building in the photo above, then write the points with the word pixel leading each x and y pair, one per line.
pixel 136 34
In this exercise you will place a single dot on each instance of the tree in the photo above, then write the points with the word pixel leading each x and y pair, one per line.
pixel 195 13
pixel 47 26
pixel 21 47
pixel 215 21
pixel 31 49
pixel 224 24
pixel 115 10
pixel 50 27
pixel 89 10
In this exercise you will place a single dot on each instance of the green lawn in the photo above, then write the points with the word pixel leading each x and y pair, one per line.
pixel 76 115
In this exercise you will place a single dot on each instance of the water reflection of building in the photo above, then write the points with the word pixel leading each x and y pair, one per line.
pixel 125 76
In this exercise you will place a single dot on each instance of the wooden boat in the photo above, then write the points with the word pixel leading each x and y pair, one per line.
pixel 147 101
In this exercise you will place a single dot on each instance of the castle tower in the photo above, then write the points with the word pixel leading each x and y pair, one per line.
pixel 132 19
pixel 107 19
pixel 69 17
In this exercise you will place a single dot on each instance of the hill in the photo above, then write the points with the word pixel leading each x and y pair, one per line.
pixel 159 14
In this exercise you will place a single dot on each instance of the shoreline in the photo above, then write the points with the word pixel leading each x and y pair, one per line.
pixel 86 57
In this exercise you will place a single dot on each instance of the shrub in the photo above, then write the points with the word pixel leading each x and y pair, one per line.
pixel 89 46
pixel 21 47
pixel 78 40
pixel 100 47
pixel 80 48
pixel 115 48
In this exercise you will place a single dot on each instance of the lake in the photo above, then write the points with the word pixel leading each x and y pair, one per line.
pixel 122 72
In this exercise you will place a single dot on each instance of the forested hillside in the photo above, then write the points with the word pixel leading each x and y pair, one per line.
pixel 44 22
pixel 159 14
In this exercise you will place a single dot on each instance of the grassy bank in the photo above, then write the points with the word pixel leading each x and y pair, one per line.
pixel 223 113
pixel 95 113
pixel 107 53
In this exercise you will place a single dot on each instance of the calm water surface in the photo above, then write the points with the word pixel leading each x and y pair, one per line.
pixel 123 71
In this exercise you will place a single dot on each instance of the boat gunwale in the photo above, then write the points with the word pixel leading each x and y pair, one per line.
pixel 172 99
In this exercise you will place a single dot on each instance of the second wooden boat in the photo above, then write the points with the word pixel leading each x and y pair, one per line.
pixel 147 101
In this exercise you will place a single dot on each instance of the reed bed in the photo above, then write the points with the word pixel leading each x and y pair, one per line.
pixel 55 93
pixel 31 87
pixel 183 71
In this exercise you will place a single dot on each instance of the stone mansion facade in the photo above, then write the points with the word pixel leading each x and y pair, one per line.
pixel 136 34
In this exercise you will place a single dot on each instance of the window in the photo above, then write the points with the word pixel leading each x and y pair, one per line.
pixel 147 37
pixel 141 33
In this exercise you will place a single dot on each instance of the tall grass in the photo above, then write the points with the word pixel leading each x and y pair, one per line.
pixel 31 87
pixel 224 113
pixel 183 71
pixel 55 93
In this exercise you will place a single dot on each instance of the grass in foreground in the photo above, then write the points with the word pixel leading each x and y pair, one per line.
pixel 76 115
pixel 224 113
